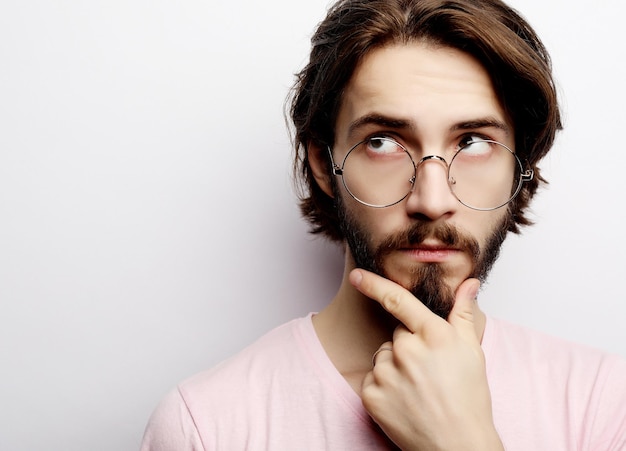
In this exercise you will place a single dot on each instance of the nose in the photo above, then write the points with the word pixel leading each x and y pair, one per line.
pixel 431 196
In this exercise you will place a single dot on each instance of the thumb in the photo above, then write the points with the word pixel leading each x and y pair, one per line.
pixel 462 315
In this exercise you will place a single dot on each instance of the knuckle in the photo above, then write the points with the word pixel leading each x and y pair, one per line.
pixel 391 301
pixel 408 352
pixel 401 348
pixel 368 398
pixel 439 335
pixel 381 373
pixel 372 398
pixel 465 315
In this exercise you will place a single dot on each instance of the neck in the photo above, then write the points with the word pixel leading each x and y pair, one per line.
pixel 352 327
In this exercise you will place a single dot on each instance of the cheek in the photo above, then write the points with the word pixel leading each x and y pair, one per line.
pixel 383 222
pixel 482 224
pixel 379 223
pixel 484 227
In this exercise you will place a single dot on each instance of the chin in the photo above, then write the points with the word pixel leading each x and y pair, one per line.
pixel 430 284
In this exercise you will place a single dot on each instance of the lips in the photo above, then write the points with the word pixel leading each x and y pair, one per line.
pixel 430 252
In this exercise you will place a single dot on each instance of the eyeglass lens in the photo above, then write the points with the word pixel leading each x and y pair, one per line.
pixel 482 175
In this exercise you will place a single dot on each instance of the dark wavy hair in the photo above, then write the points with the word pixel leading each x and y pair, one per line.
pixel 489 30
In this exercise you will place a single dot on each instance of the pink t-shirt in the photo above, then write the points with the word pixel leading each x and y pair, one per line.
pixel 283 393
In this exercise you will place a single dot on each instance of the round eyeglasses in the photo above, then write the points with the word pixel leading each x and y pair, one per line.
pixel 483 174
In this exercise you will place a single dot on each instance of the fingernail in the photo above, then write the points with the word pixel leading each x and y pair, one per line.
pixel 356 277
pixel 473 293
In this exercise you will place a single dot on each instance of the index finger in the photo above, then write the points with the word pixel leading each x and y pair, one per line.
pixel 394 298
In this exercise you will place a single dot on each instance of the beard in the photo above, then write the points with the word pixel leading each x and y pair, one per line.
pixel 427 280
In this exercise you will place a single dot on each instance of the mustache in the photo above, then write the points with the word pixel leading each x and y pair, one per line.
pixel 447 234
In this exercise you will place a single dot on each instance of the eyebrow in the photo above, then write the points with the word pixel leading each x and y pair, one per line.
pixel 488 122
pixel 404 124
pixel 380 120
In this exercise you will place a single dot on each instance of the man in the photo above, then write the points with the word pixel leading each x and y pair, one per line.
pixel 419 125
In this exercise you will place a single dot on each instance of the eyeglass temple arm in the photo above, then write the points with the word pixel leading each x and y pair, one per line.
pixel 336 169
pixel 528 175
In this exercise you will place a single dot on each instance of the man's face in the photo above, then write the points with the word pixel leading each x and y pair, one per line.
pixel 431 100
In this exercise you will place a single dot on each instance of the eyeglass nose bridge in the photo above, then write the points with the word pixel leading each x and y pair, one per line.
pixel 431 157
pixel 423 160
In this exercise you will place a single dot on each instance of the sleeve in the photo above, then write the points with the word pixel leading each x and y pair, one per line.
pixel 609 422
pixel 171 427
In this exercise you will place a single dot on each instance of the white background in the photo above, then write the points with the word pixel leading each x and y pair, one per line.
pixel 148 228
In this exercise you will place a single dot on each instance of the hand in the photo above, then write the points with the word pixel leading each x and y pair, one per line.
pixel 430 391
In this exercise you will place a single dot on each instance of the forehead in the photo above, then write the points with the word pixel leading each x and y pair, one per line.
pixel 432 87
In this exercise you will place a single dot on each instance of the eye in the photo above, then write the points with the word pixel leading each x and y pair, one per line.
pixel 380 145
pixel 475 145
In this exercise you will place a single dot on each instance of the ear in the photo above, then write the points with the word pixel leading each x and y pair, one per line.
pixel 319 163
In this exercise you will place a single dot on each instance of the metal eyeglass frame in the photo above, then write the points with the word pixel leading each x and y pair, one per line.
pixel 526 175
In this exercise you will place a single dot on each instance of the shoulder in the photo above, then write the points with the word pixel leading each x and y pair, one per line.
pixel 171 427
pixel 281 347
pixel 503 339
pixel 576 389
pixel 229 392
pixel 516 348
